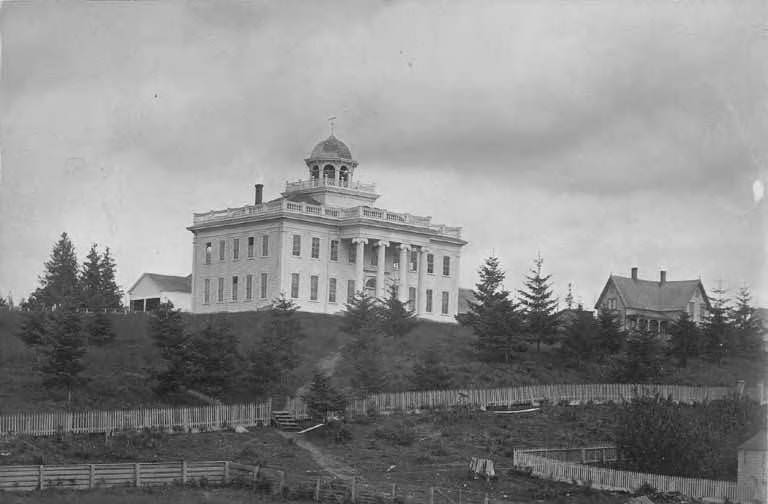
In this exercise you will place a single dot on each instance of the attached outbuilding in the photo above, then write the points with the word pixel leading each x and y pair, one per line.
pixel 152 289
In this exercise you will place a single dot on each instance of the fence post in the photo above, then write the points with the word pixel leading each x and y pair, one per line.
pixel 317 490
pixel 583 455
pixel 282 482
pixel 394 490
pixel 431 495
pixel 137 471
pixel 184 475
pixel 41 482
pixel 92 476
pixel 485 501
pixel 226 472
pixel 354 489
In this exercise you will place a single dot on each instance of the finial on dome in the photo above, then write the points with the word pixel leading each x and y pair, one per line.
pixel 331 123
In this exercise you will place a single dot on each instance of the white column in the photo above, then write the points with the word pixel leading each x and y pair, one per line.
pixel 381 289
pixel 403 288
pixel 359 264
pixel 421 291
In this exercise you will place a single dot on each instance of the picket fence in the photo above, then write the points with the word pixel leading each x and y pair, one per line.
pixel 409 402
pixel 627 481
pixel 585 455
pixel 84 476
pixel 170 419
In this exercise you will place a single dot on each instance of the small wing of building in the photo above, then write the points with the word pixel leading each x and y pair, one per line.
pixel 151 289
pixel 653 304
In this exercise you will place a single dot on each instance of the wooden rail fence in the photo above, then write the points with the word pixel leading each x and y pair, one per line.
pixel 84 476
pixel 179 419
pixel 542 466
pixel 525 394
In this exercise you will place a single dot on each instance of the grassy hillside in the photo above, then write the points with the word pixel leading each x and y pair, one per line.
pixel 119 372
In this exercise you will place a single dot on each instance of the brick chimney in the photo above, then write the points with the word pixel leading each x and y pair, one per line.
pixel 634 273
pixel 662 276
pixel 259 191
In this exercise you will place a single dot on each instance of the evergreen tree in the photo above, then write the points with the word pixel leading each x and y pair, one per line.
pixel 745 325
pixel 717 337
pixel 323 398
pixel 641 361
pixel 684 339
pixel 90 287
pixel 610 336
pixel 580 339
pixel 99 329
pixel 492 316
pixel 3 304
pixel 539 305
pixel 429 373
pixel 111 293
pixel 395 317
pixel 166 328
pixel 214 364
pixel 569 296
pixel 362 355
pixel 58 285
pixel 65 350
pixel 362 314
pixel 33 330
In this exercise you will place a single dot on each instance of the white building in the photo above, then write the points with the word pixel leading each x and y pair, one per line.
pixel 321 242
pixel 152 289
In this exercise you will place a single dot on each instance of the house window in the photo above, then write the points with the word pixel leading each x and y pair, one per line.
pixel 396 262
pixel 702 311
pixel 294 285
pixel 444 308
pixel 691 308
pixel 249 287
pixel 234 288
pixel 446 265
pixel 297 245
pixel 352 252
pixel 263 286
pixel 208 249
pixel 221 290
pixel 334 250
pixel 236 249
pixel 414 259
pixel 315 248
pixel 222 246
pixel 313 280
pixel 331 290
pixel 350 290
pixel 374 258
pixel 265 246
pixel 251 241
pixel 429 300
pixel 611 303
pixel 430 263
pixel 207 291
pixel 412 297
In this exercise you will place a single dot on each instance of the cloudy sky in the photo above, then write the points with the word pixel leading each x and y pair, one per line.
pixel 602 134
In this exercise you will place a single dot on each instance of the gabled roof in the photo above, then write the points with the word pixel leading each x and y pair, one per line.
pixel 167 283
pixel 654 295
pixel 758 442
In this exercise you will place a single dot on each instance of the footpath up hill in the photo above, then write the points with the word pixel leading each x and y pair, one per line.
pixel 119 373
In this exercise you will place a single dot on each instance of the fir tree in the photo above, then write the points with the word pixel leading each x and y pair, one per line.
pixel 684 339
pixel 641 361
pixel 99 329
pixel 361 314
pixel 362 355
pixel 569 296
pixel 323 398
pixel 65 350
pixel 395 317
pixel 90 285
pixel 166 328
pixel 580 339
pixel 3 304
pixel 492 316
pixel 214 364
pixel 58 285
pixel 111 293
pixel 430 373
pixel 33 330
pixel 610 336
pixel 539 305
pixel 717 333
pixel 744 324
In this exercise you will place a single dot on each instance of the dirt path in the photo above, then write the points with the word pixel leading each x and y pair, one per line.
pixel 329 463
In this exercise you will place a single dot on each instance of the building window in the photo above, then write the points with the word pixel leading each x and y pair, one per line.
pixel 395 291
pixel 221 290
pixel 234 288
pixel 430 263
pixel 251 241
pixel 612 303
pixel 297 245
pixel 207 291
pixel 350 290
pixel 313 280
pixel 294 285
pixel 691 308
pixel 208 249
pixel 374 258
pixel 236 249
pixel 412 298
pixel 446 265
pixel 445 303
pixel 352 252
pixel 265 246
pixel 222 246
pixel 263 286
pixel 429 300
pixel 334 250
pixel 702 311
pixel 248 287
pixel 315 248
pixel 331 290
pixel 396 262
pixel 414 259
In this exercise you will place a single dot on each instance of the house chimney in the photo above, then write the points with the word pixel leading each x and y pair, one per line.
pixel 634 273
pixel 259 190
pixel 662 276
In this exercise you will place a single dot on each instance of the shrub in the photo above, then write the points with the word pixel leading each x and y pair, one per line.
pixel 403 433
